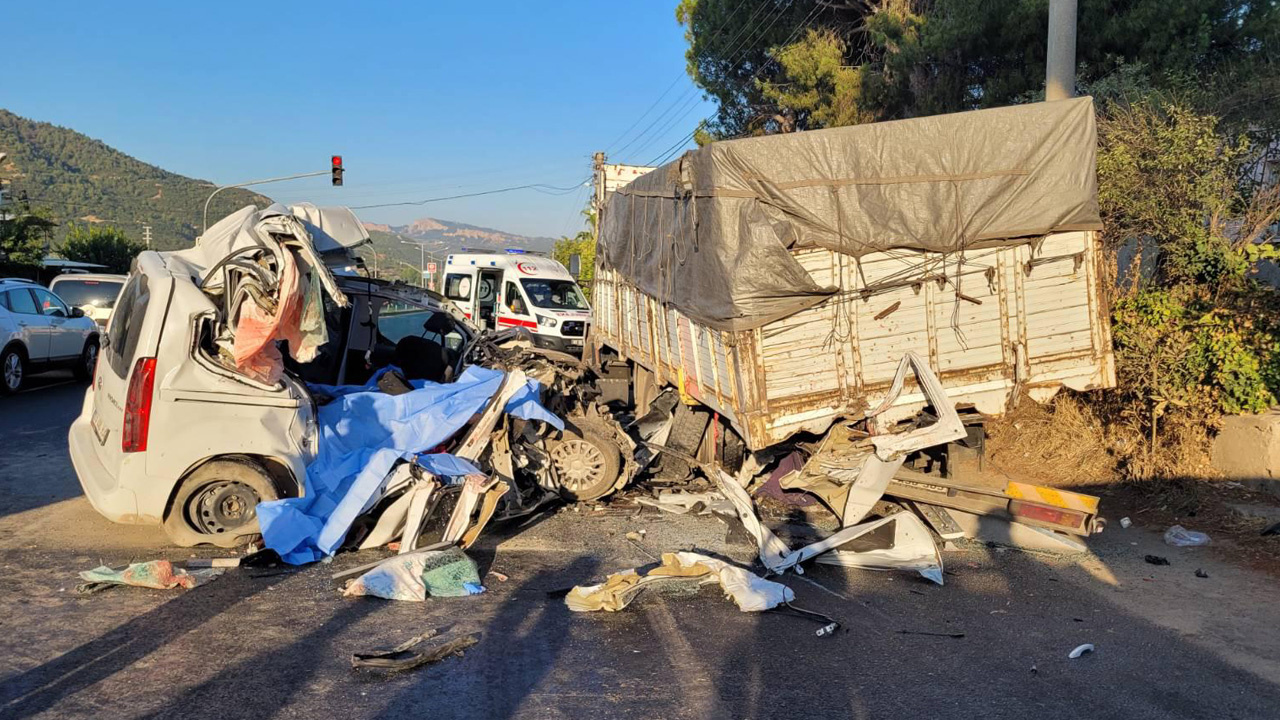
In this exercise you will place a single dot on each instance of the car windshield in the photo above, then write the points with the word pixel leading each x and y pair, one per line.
pixel 79 293
pixel 554 294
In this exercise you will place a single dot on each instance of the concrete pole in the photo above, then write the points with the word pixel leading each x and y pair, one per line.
pixel 1060 59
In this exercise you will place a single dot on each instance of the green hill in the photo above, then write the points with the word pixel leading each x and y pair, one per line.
pixel 78 179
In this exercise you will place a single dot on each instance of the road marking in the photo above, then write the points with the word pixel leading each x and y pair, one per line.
pixel 46 387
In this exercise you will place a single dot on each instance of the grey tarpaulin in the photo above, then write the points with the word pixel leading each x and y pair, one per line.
pixel 710 233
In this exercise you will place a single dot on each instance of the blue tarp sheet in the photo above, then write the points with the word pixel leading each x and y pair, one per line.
pixel 363 432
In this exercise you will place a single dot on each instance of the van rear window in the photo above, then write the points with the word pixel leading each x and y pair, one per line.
pixel 457 286
pixel 126 324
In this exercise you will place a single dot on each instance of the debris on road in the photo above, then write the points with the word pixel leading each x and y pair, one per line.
pixel 1125 523
pixel 213 562
pixel 956 636
pixel 402 657
pixel 750 592
pixel 1156 560
pixel 1081 650
pixel 414 576
pixel 1178 536
pixel 1201 573
pixel 156 574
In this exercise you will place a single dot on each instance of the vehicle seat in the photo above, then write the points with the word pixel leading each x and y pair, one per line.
pixel 422 359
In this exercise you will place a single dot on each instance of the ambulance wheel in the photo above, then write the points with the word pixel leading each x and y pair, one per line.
pixel 585 461
pixel 217 504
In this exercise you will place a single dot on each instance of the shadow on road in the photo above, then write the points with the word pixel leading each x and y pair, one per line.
pixel 45 686
pixel 35 469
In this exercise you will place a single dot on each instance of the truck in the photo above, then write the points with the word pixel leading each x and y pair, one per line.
pixel 776 282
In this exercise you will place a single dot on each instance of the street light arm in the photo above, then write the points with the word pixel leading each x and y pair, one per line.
pixel 204 222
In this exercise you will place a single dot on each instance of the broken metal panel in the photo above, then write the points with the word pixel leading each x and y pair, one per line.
pixel 912 548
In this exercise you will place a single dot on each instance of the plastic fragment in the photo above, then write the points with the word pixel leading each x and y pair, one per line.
pixel 1178 536
pixel 1125 522
pixel 1081 650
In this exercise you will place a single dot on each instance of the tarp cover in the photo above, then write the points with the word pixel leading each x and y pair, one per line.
pixel 363 432
pixel 710 233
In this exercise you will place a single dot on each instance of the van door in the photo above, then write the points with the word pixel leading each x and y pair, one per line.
pixel 133 335
pixel 487 293
pixel 514 310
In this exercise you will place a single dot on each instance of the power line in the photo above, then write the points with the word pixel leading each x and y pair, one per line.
pixel 737 54
pixel 539 187
pixel 754 76
pixel 687 92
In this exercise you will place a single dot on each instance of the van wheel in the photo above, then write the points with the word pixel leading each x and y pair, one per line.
pixel 585 461
pixel 13 370
pixel 217 504
pixel 88 360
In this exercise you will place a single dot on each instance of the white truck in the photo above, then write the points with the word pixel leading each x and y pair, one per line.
pixel 520 290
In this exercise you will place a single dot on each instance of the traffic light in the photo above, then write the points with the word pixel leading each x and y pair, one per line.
pixel 337 170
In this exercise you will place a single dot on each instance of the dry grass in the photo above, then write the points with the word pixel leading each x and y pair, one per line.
pixel 1060 444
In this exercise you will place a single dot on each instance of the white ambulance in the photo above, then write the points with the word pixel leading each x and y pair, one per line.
pixel 520 289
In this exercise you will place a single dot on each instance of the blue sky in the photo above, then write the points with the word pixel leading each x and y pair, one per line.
pixel 422 99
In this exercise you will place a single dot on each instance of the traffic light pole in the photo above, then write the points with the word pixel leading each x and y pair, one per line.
pixel 204 222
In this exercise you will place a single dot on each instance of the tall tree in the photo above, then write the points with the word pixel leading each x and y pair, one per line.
pixel 902 58
pixel 107 246
pixel 584 246
pixel 24 238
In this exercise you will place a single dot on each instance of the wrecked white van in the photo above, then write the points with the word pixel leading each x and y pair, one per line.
pixel 200 407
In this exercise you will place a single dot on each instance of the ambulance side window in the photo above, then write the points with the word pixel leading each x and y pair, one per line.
pixel 457 286
pixel 515 303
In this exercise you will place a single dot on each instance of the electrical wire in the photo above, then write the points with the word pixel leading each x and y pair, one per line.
pixel 538 187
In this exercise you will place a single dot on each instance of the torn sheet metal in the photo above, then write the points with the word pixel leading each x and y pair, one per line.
pixel 912 548
pixel 363 433
pixel 850 471
pixel 750 592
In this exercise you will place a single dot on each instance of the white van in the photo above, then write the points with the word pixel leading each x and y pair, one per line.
pixel 518 289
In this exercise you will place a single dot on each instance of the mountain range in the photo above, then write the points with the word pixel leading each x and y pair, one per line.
pixel 77 179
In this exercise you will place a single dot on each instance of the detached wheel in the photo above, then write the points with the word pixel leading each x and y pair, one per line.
pixel 585 461
pixel 218 504
pixel 88 360
pixel 13 370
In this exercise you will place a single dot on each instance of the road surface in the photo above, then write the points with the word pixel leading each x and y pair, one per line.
pixel 1168 644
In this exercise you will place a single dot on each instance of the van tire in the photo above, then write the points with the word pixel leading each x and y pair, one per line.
pixel 586 461
pixel 231 480
pixel 88 359
pixel 16 357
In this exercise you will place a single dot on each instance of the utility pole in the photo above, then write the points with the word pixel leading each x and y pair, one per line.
pixel 146 235
pixel 1060 55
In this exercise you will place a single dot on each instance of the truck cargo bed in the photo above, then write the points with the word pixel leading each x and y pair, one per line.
pixel 1026 316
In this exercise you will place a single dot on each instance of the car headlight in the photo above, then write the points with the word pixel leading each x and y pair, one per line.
pixel 548 321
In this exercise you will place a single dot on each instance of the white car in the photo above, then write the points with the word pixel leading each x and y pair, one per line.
pixel 39 332
pixel 93 293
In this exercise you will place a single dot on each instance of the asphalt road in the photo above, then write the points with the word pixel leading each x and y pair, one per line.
pixel 1168 644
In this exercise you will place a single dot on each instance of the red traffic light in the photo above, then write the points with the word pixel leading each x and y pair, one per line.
pixel 336 160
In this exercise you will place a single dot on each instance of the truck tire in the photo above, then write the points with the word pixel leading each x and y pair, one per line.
pixel 217 504
pixel 585 461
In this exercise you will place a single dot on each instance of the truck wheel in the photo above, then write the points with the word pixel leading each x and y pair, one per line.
pixel 88 360
pixel 13 370
pixel 217 504
pixel 585 461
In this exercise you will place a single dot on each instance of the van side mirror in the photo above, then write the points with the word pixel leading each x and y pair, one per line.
pixel 575 265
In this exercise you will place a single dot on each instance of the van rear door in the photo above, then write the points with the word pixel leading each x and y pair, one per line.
pixel 133 335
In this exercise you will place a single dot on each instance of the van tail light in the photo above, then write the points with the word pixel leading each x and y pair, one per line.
pixel 137 406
